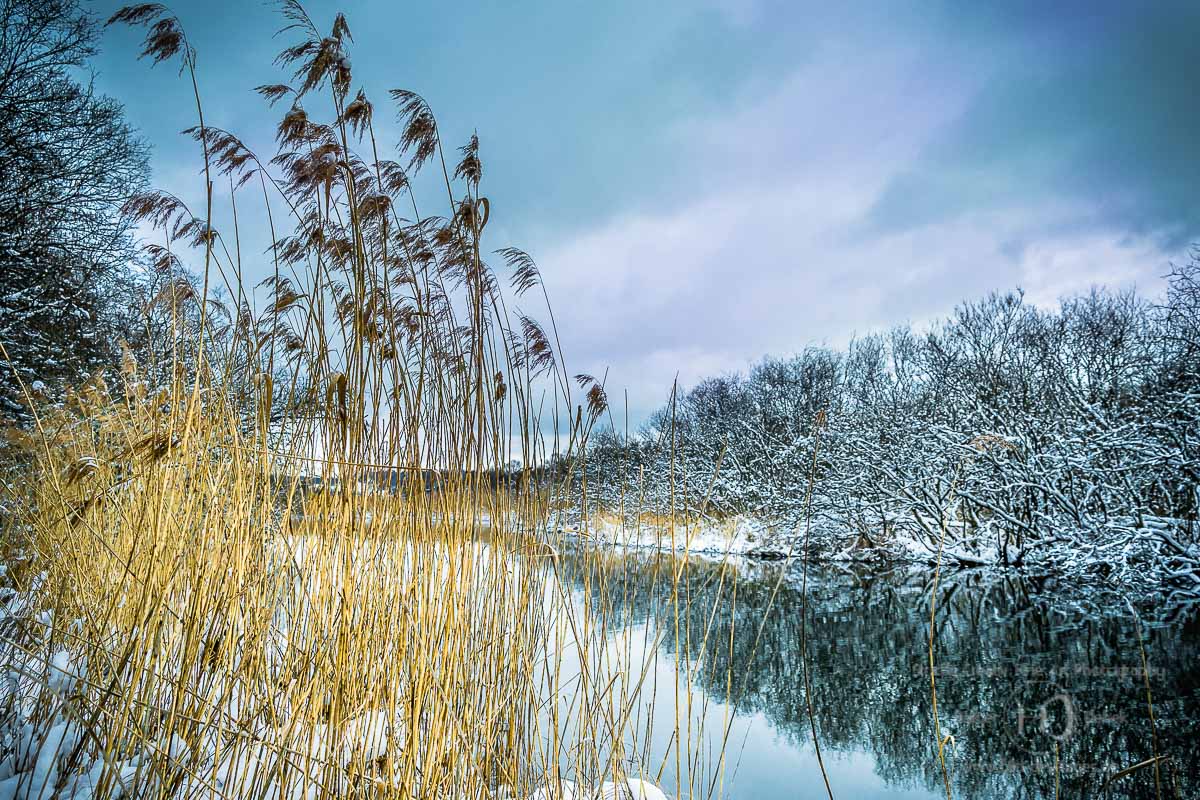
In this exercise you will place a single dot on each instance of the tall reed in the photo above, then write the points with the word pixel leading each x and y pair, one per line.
pixel 284 557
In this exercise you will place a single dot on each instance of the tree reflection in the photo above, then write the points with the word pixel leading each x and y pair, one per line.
pixel 1022 665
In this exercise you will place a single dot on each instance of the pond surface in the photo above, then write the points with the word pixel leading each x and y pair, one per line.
pixel 1024 668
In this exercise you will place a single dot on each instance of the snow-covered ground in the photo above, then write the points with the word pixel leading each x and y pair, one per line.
pixel 736 536
pixel 1143 555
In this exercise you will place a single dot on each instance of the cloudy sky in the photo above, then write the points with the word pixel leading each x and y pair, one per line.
pixel 707 181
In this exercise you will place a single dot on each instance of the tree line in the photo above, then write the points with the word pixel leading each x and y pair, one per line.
pixel 80 295
pixel 68 160
pixel 1006 433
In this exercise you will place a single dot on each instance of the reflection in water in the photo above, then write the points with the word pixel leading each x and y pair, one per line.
pixel 1020 669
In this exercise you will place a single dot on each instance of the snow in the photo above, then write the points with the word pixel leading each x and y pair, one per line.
pixel 638 790
pixel 629 789
pixel 60 677
pixel 1128 553
pixel 739 535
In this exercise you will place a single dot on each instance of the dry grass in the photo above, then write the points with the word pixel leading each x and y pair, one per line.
pixel 193 621
pixel 210 644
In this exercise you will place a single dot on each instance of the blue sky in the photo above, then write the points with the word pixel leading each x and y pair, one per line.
pixel 705 182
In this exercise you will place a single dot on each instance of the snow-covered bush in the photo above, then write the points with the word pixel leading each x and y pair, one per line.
pixel 1007 433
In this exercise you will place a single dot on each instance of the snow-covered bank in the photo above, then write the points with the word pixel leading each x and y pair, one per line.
pixel 737 536
pixel 1146 556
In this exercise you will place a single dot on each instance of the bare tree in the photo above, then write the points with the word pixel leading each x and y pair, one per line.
pixel 67 162
pixel 1069 437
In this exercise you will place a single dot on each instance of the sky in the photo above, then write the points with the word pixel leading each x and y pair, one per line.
pixel 705 182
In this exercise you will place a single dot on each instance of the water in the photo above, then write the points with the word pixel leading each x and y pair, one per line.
pixel 1023 665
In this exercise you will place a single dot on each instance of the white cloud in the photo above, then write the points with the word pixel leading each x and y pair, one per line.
pixel 769 253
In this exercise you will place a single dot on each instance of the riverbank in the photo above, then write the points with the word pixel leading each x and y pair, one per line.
pixel 1143 559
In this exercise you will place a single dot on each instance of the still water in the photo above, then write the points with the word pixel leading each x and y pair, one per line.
pixel 1037 682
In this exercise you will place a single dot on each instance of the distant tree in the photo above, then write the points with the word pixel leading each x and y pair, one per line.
pixel 1183 312
pixel 67 162
pixel 1010 433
